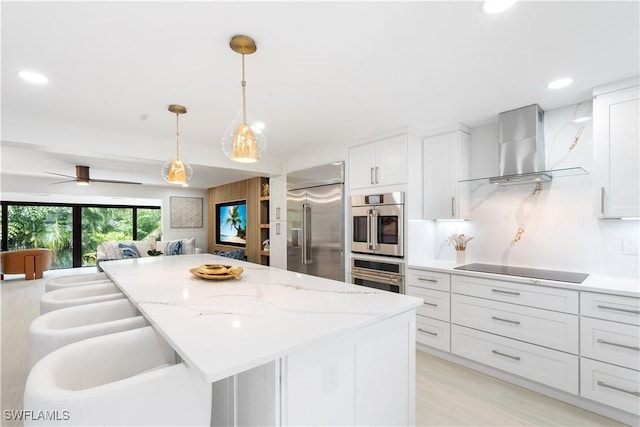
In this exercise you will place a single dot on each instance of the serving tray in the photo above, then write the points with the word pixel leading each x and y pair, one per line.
pixel 217 272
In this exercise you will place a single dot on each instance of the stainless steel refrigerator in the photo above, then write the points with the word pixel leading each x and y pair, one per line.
pixel 315 217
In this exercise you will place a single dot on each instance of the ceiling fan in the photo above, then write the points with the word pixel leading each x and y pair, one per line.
pixel 82 178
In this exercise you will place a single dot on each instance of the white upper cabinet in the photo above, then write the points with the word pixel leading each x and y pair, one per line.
pixel 378 163
pixel 278 221
pixel 445 162
pixel 616 134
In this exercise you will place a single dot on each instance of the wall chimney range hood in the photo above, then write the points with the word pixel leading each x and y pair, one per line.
pixel 521 149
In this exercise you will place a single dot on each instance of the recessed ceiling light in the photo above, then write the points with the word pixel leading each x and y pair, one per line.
pixel 560 83
pixel 32 77
pixel 497 6
pixel 582 119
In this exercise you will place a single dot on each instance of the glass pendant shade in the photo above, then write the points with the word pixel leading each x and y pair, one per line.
pixel 176 171
pixel 243 143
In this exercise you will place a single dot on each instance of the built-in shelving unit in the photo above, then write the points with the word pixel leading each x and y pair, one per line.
pixel 264 219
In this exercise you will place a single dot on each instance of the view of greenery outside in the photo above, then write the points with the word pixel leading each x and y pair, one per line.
pixel 42 227
pixel 103 225
pixel 32 226
pixel 149 222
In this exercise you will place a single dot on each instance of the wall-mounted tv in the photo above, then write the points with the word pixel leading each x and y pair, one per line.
pixel 231 220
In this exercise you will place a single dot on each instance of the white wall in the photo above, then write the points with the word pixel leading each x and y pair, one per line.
pixel 561 228
pixel 25 189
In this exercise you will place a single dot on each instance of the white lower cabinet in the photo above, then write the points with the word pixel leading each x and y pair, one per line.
pixel 610 350
pixel 434 333
pixel 583 343
pixel 542 327
pixel 611 385
pixel 553 368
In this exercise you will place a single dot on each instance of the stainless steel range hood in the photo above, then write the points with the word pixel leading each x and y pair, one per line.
pixel 521 146
pixel 521 149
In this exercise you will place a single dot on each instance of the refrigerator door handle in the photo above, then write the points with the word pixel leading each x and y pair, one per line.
pixel 306 234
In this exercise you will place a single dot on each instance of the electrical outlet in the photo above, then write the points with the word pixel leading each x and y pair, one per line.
pixel 629 247
pixel 330 376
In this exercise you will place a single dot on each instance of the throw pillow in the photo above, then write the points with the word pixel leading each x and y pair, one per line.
pixel 173 248
pixel 129 250
pixel 239 254
pixel 188 246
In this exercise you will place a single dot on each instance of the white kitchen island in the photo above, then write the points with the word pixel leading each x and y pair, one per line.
pixel 282 348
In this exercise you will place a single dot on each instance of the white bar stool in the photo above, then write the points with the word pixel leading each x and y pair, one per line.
pixel 72 280
pixel 78 295
pixel 127 378
pixel 58 328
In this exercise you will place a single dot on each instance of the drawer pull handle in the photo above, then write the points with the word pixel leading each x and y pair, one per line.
pixel 626 310
pixel 515 322
pixel 635 393
pixel 435 334
pixel 423 279
pixel 630 347
pixel 430 303
pixel 500 291
pixel 505 355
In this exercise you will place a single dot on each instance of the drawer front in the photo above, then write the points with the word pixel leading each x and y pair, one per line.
pixel 429 279
pixel 433 333
pixel 610 307
pixel 611 342
pixel 436 303
pixel 552 368
pixel 558 331
pixel 564 300
pixel 611 385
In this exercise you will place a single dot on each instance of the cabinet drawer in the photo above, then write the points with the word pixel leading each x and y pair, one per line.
pixel 433 333
pixel 556 299
pixel 610 307
pixel 610 342
pixel 429 279
pixel 436 303
pixel 547 328
pixel 552 368
pixel 611 385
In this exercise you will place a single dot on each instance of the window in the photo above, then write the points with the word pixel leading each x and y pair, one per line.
pixel 73 232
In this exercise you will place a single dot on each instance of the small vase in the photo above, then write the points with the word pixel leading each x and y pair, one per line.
pixel 460 257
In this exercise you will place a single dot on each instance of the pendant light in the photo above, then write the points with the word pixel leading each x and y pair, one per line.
pixel 242 141
pixel 177 172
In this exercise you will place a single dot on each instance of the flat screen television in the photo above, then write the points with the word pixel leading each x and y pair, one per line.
pixel 231 223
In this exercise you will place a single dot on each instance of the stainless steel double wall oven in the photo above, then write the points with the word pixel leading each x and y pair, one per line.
pixel 378 229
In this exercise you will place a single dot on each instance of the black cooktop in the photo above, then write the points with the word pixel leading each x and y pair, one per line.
pixel 534 273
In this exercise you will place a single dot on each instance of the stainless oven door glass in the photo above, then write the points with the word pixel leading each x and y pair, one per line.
pixel 378 230
pixel 378 281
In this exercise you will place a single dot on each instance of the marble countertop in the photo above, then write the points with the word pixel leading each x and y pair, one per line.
pixel 222 328
pixel 617 285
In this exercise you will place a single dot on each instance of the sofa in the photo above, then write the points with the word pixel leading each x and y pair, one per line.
pixel 30 262
pixel 124 249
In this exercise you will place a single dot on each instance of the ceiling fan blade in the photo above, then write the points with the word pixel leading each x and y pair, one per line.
pixel 62 182
pixel 61 174
pixel 111 181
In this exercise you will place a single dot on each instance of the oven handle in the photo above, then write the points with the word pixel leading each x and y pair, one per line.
pixel 369 222
pixel 374 229
pixel 391 280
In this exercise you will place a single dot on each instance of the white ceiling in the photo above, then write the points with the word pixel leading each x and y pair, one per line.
pixel 325 73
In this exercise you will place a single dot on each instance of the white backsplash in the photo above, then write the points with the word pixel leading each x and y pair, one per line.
pixel 560 225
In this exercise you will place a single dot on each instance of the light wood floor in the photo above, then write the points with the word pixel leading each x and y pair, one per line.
pixel 447 394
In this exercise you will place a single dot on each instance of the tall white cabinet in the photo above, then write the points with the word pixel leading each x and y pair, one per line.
pixel 278 221
pixel 616 134
pixel 445 163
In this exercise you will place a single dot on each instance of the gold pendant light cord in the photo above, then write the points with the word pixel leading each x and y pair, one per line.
pixel 244 94
pixel 177 136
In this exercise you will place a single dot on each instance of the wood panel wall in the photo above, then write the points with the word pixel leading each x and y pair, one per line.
pixel 248 190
